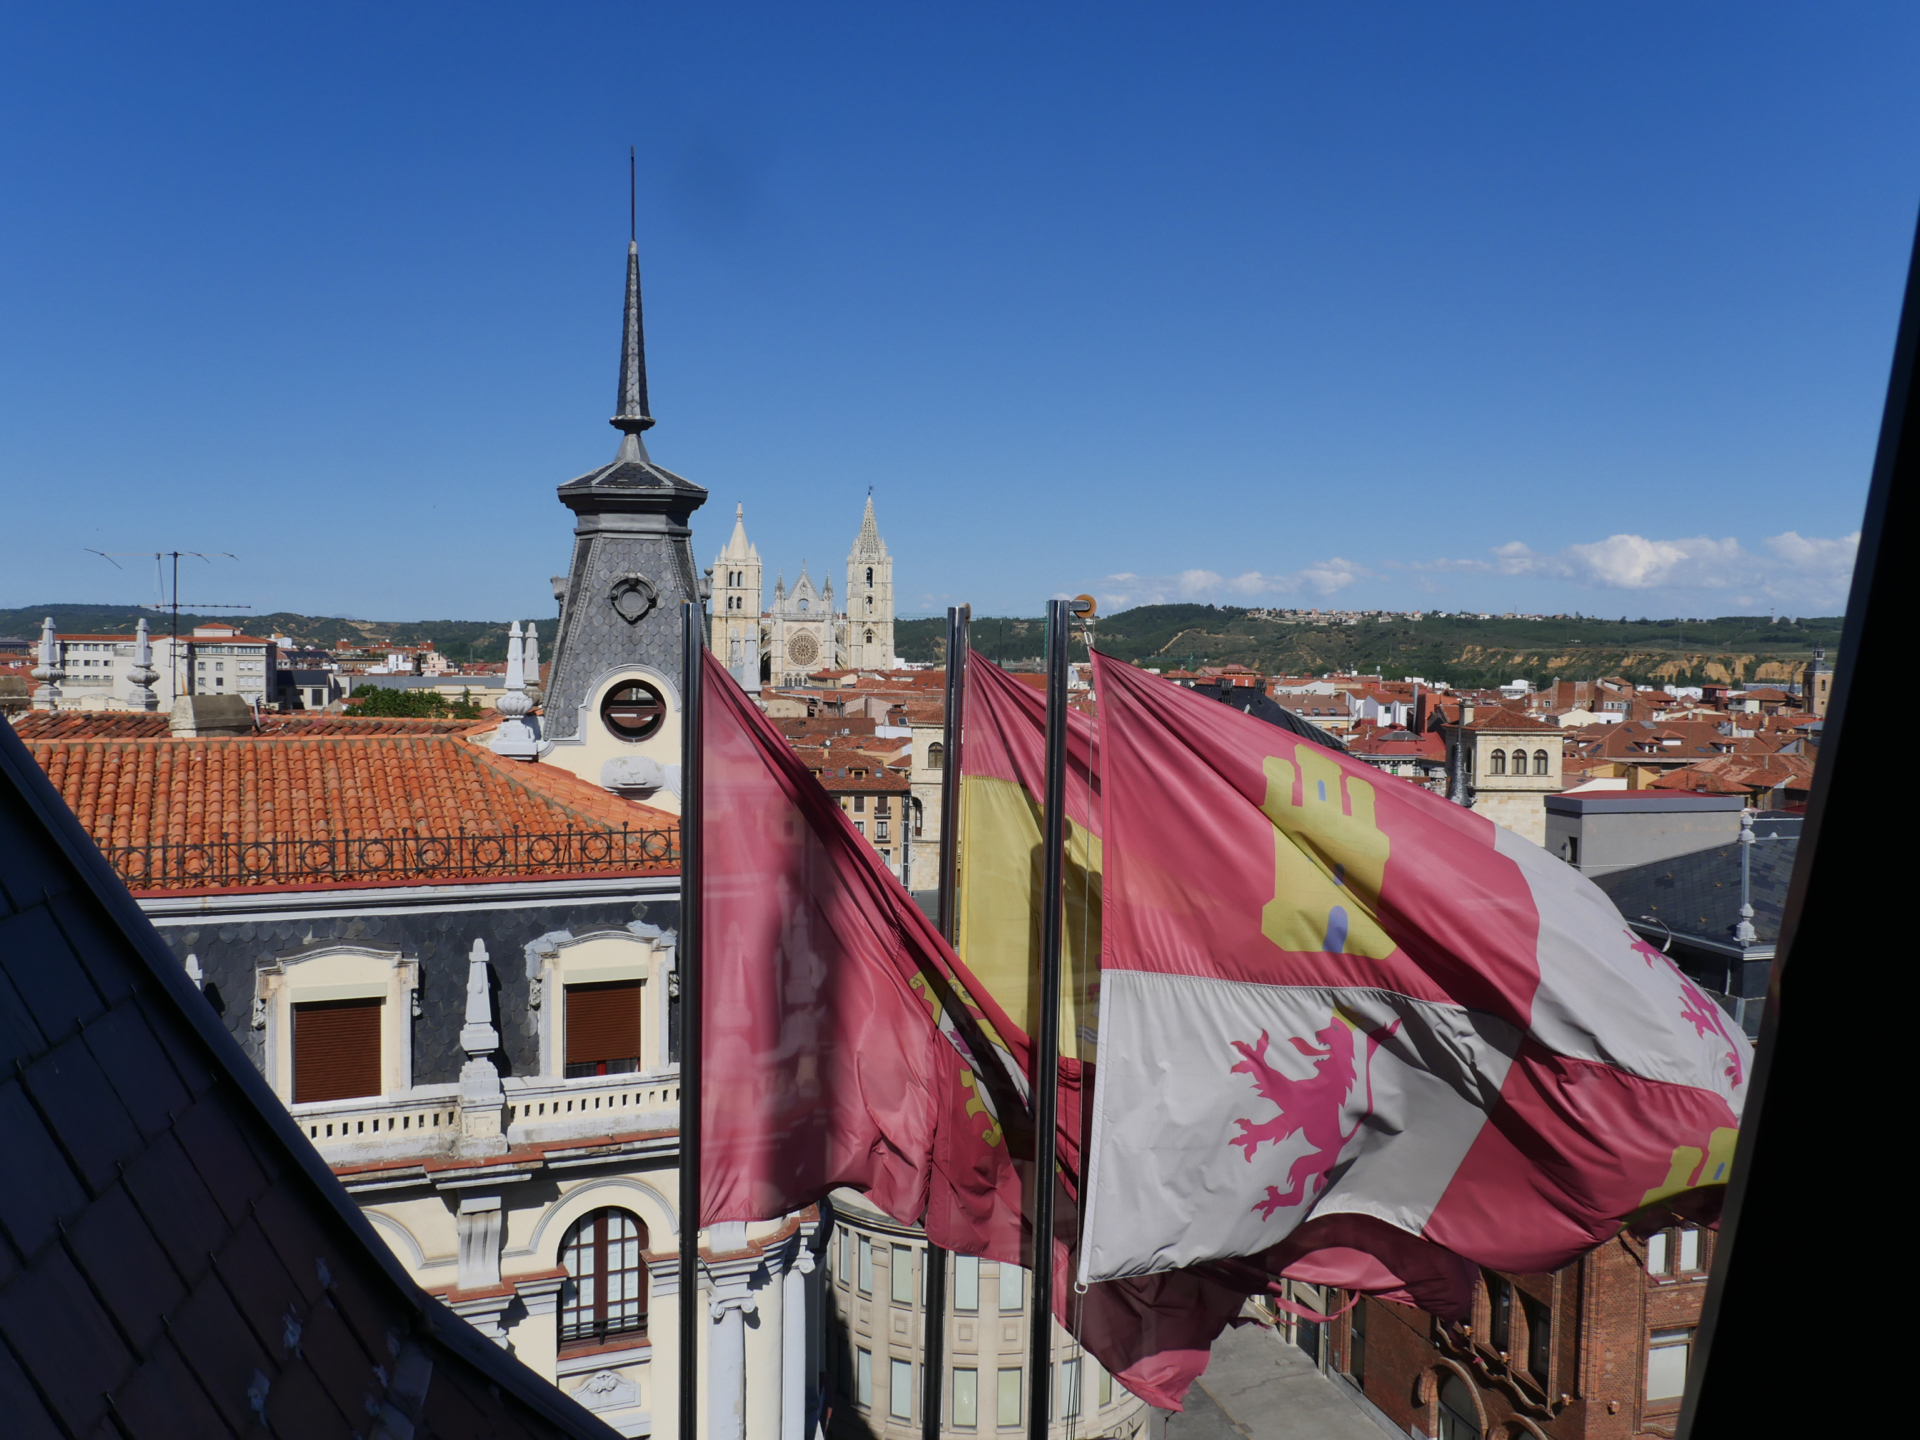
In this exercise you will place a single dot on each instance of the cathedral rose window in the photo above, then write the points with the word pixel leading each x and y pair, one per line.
pixel 633 711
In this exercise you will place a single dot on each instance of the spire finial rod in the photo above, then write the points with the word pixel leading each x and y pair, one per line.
pixel 630 415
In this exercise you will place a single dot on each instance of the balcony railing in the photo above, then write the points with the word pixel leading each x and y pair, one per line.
pixel 426 1119
pixel 546 1109
pixel 366 859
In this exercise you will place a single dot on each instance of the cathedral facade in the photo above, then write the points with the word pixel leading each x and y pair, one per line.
pixel 802 632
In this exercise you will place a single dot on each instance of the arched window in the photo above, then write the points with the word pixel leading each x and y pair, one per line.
pixel 1459 1419
pixel 605 1293
pixel 1540 762
pixel 869 576
pixel 936 756
pixel 1497 763
pixel 869 637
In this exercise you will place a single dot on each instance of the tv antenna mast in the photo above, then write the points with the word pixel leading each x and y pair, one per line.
pixel 158 556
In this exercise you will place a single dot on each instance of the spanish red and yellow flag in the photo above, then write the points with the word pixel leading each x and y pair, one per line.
pixel 1002 789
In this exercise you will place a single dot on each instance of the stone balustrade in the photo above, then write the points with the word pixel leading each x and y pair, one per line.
pixel 426 1119
pixel 541 1109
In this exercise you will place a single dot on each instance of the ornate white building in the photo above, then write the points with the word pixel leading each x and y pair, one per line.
pixel 802 632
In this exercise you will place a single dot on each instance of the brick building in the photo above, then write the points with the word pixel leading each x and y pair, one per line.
pixel 1596 1351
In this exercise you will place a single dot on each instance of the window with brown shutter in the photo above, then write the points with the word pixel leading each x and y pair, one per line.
pixel 603 1028
pixel 336 1050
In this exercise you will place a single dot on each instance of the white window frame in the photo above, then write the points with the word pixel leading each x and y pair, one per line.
pixel 1000 1396
pixel 966 1397
pixel 337 972
pixel 900 1274
pixel 966 1282
pixel 1013 1278
pixel 900 1388
pixel 1679 1338
pixel 560 958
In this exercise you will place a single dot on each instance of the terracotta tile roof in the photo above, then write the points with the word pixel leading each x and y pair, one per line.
pixel 253 790
pixel 88 725
pixel 152 725
pixel 1372 741
pixel 1506 720
pixel 886 780
pixel 1695 781
pixel 1643 740
pixel 1752 772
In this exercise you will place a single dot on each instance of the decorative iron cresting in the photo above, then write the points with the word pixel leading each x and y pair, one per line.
pixel 426 858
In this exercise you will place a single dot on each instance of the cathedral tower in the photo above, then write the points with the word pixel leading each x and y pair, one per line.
pixel 612 712
pixel 869 598
pixel 737 605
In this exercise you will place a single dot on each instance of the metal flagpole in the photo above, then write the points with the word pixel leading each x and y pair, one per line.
pixel 933 1359
pixel 692 657
pixel 1046 1024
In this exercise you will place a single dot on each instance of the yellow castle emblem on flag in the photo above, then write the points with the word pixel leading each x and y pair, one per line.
pixel 1330 857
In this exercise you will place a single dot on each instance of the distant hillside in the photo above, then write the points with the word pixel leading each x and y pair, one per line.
pixel 1458 651
pixel 456 639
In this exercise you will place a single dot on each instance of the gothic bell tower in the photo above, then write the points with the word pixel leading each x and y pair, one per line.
pixel 869 598
pixel 613 692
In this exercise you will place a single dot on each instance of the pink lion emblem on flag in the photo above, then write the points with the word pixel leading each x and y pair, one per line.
pixel 1309 1107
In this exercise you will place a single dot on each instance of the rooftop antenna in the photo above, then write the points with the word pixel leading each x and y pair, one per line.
pixel 173 555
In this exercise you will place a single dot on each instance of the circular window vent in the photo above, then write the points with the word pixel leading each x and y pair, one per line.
pixel 634 711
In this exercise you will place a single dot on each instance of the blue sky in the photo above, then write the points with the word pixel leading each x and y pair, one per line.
pixel 1510 307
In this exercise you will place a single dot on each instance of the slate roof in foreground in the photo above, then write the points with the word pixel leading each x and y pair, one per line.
pixel 175 1259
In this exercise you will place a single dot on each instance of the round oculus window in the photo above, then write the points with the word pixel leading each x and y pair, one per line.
pixel 633 711
pixel 803 649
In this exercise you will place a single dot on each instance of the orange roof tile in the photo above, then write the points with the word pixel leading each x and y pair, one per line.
pixel 153 725
pixel 264 789
pixel 1507 720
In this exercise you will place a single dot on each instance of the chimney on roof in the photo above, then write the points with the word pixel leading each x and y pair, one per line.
pixel 197 716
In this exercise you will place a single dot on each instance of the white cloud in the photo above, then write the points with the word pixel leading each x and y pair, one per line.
pixel 1798 573
pixel 1800 569
pixel 1323 578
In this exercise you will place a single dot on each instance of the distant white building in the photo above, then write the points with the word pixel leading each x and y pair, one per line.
pixel 100 670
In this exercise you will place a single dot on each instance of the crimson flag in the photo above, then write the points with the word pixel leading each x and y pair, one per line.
pixel 834 1013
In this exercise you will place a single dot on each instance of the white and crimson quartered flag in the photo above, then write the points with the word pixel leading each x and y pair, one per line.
pixel 1354 1033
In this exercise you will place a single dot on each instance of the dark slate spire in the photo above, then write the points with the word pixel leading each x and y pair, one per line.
pixel 632 417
